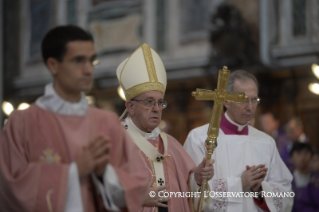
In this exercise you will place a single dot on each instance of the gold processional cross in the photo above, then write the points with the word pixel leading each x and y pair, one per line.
pixel 219 96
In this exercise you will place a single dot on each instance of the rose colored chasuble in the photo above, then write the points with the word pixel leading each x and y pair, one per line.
pixel 238 146
pixel 178 168
pixel 37 147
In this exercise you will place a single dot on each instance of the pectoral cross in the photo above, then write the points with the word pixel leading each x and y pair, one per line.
pixel 159 158
pixel 219 96
pixel 161 181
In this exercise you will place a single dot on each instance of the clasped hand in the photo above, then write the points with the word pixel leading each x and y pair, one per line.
pixel 252 177
pixel 94 156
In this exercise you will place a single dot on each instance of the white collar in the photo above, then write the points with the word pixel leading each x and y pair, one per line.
pixel 240 127
pixel 53 102
pixel 302 138
pixel 153 135
pixel 301 180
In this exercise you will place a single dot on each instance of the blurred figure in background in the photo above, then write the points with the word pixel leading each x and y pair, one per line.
pixel 304 183
pixel 295 133
pixel 270 124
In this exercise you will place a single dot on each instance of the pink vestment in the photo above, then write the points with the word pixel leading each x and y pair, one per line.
pixel 37 147
pixel 177 169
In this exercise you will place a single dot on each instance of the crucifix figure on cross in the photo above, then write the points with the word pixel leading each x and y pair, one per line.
pixel 219 96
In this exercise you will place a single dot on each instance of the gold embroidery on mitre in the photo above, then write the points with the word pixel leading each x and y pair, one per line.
pixel 142 88
pixel 149 63
pixel 49 156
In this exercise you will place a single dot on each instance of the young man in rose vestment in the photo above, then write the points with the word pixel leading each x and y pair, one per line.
pixel 61 154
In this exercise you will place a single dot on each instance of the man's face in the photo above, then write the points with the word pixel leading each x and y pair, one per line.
pixel 242 113
pixel 144 117
pixel 301 159
pixel 293 131
pixel 74 73
pixel 268 123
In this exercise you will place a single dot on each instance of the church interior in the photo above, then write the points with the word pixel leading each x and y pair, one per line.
pixel 277 41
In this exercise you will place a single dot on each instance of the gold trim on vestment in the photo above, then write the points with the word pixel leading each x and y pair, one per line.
pixel 48 200
pixel 154 184
pixel 50 157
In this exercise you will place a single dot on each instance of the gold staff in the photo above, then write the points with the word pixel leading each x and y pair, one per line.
pixel 219 96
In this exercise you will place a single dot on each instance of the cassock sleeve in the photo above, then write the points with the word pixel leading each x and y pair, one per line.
pixel 110 190
pixel 194 145
pixel 196 149
pixel 195 188
pixel 278 180
pixel 26 184
pixel 128 184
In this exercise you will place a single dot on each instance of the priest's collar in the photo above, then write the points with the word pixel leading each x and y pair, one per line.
pixel 51 101
pixel 229 127
pixel 153 135
pixel 302 138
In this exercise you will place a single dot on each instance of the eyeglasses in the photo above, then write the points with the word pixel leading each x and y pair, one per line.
pixel 82 61
pixel 151 103
pixel 254 101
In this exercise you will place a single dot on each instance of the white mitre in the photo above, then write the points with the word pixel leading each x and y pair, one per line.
pixel 143 71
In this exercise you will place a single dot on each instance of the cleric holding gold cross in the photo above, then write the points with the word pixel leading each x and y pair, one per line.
pixel 143 79
pixel 246 159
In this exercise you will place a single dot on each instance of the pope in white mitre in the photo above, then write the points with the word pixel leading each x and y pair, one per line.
pixel 143 79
